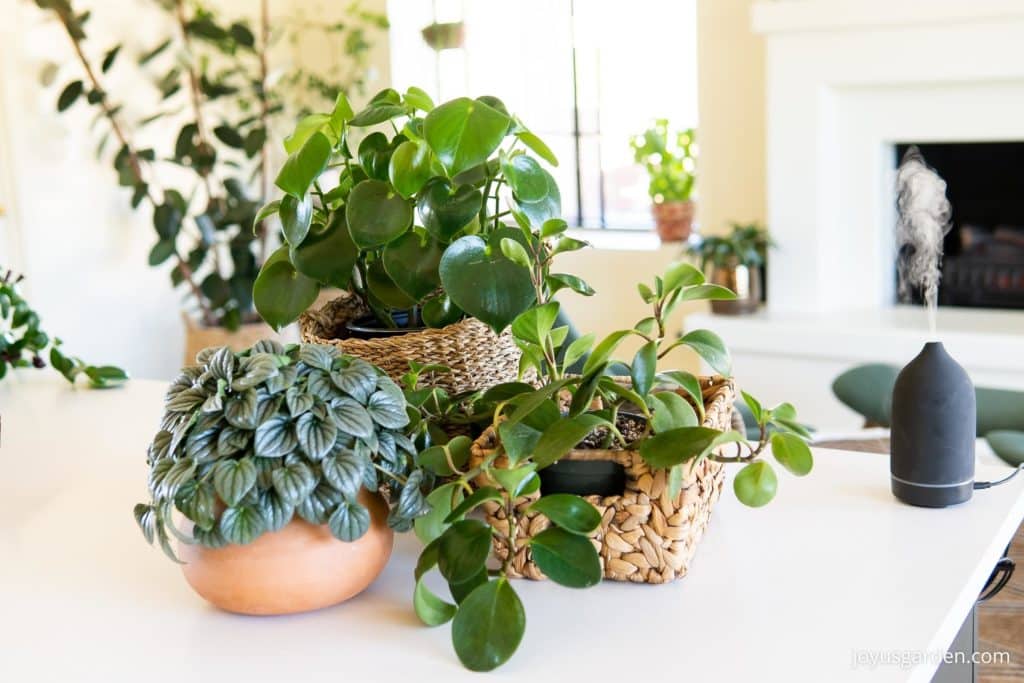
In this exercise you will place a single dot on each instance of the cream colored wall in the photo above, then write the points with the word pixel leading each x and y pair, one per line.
pixel 731 180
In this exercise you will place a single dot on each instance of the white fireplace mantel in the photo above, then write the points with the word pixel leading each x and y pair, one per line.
pixel 845 81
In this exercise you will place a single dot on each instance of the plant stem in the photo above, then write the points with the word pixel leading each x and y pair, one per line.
pixel 510 539
pixel 133 159
pixel 264 122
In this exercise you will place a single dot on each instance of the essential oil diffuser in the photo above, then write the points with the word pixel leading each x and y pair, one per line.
pixel 933 431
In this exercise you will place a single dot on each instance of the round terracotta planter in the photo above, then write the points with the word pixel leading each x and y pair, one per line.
pixel 673 220
pixel 302 567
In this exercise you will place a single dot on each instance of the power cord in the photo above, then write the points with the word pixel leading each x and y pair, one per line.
pixel 978 485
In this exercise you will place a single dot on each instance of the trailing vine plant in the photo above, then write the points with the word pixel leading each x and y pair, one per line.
pixel 216 86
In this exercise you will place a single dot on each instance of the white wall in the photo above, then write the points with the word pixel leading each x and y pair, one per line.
pixel 69 228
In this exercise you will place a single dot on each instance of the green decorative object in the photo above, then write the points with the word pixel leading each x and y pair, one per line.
pixel 276 432
pixel 23 343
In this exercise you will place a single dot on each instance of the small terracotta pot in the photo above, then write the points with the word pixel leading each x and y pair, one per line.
pixel 199 337
pixel 673 220
pixel 745 281
pixel 302 567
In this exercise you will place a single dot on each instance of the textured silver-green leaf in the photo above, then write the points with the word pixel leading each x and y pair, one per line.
pixel 180 472
pixel 387 410
pixel 315 508
pixel 214 403
pixel 318 356
pixel 232 440
pixel 358 379
pixel 275 438
pixel 386 445
pixel 201 446
pixel 276 512
pixel 240 410
pixel 234 478
pixel 160 448
pixel 284 378
pixel 319 384
pixel 222 364
pixel 210 539
pixel 298 401
pixel 198 502
pixel 294 482
pixel 145 517
pixel 351 417
pixel 186 400
pixel 184 380
pixel 349 521
pixel 271 346
pixel 267 407
pixel 256 369
pixel 411 503
pixel 241 525
pixel 344 470
pixel 316 438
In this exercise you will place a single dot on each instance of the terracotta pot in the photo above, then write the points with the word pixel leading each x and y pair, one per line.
pixel 673 220
pixel 199 337
pixel 302 567
pixel 745 281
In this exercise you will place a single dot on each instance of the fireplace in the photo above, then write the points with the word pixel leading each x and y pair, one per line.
pixel 983 265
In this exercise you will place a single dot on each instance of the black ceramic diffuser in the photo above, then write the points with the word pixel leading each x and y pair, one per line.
pixel 933 427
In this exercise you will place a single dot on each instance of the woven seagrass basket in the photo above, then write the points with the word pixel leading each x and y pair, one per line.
pixel 645 535
pixel 477 357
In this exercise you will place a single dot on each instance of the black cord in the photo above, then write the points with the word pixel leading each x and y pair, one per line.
pixel 978 485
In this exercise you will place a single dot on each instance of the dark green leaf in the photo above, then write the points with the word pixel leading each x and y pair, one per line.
pixel 349 521
pixel 488 626
pixel 376 214
pixel 327 254
pixel 569 512
pixel 233 479
pixel 71 92
pixel 474 500
pixel 446 209
pixel 275 438
pixel 281 293
pixel 412 261
pixel 709 347
pixel 296 217
pixel 566 558
pixel 561 437
pixel 463 550
pixel 644 366
pixel 464 132
pixel 304 166
pixel 241 525
pixel 293 482
pixel 676 445
pixel 671 411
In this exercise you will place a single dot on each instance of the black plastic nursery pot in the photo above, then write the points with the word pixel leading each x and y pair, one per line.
pixel 368 327
pixel 583 478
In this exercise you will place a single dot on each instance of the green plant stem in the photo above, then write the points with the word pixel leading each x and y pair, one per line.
pixel 397 477
pixel 510 538
pixel 133 158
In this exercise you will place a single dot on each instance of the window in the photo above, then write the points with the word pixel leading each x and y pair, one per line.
pixel 585 75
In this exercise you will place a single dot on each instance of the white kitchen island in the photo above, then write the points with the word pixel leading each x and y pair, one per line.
pixel 833 575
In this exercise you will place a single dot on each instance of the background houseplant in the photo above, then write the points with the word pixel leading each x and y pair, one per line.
pixel 412 226
pixel 670 161
pixel 533 428
pixel 736 261
pixel 23 343
pixel 270 441
pixel 219 95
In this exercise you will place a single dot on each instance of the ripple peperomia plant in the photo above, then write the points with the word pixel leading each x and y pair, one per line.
pixel 414 220
pixel 252 439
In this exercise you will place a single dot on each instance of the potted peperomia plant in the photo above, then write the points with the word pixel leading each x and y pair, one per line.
pixel 670 161
pixel 411 224
pixel 275 456
pixel 218 93
pixel 668 432
pixel 736 261
pixel 23 343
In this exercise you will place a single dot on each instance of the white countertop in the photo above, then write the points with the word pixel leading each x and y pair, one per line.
pixel 794 591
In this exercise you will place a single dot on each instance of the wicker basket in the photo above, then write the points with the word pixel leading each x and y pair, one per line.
pixel 477 357
pixel 645 536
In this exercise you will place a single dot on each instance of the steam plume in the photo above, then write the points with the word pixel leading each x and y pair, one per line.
pixel 924 220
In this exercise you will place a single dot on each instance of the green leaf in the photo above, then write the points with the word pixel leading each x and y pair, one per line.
pixel 488 626
pixel 418 98
pixel 304 166
pixel 566 558
pixel 559 281
pixel 755 484
pixel 755 406
pixel 351 417
pixel 689 384
pixel 515 252
pixel 432 610
pixel 707 293
pixel 410 167
pixel 792 453
pixel 328 254
pixel 276 512
pixel 349 521
pixel 167 220
pixel 412 262
pixel 109 57
pixel 671 411
pixel 484 283
pixel 537 146
pixel 709 347
pixel 548 207
pixel 341 114
pixel 569 511
pixel 441 501
pixel 145 517
pixel 446 209
pixel 296 217
pixel 376 214
pixel 280 292
pixel 293 482
pixel 577 349
pixel 463 550
pixel 535 324
pixel 316 437
pixel 561 437
pixel 344 471
pixel 71 92
pixel 232 479
pixel 604 350
pixel 474 500
pixel 463 133
pixel 305 129
pixel 681 274
pixel 676 445
pixel 517 481
pixel 525 177
pixel 161 251
pixel 274 438
pixel 377 113
pixel 644 367
pixel 241 525
pixel 387 410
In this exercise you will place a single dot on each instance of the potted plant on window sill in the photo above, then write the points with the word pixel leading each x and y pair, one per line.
pixel 669 431
pixel 736 261
pixel 275 456
pixel 411 228
pixel 670 161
